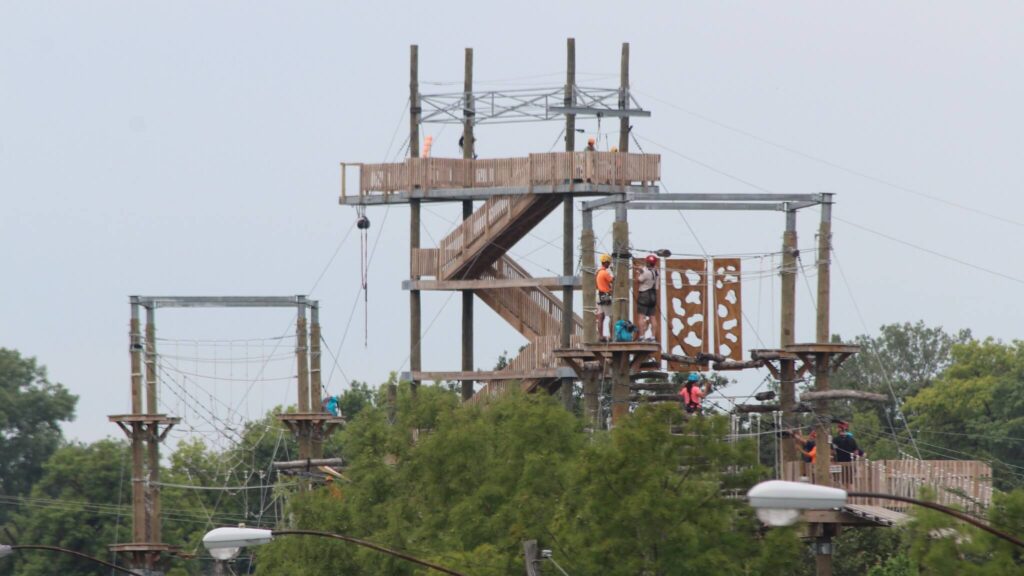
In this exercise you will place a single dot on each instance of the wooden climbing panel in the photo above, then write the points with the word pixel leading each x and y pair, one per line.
pixel 686 307
pixel 728 308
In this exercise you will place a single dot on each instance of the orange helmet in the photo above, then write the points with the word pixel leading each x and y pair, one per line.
pixel 591 141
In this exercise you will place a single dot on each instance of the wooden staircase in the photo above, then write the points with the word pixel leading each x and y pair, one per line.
pixel 477 249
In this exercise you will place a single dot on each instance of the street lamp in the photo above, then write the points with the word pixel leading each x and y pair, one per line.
pixel 779 503
pixel 226 542
pixel 6 550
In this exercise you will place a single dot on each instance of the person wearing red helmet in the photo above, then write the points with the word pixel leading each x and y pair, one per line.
pixel 647 298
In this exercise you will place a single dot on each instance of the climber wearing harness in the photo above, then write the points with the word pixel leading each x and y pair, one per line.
pixel 692 393
pixel 647 298
pixel 807 445
pixel 845 446
pixel 604 279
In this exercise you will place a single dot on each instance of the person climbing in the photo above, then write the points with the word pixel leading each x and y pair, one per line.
pixel 647 298
pixel 604 279
pixel 331 406
pixel 807 445
pixel 845 445
pixel 693 394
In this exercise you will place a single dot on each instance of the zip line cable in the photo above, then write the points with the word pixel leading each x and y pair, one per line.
pixel 875 355
pixel 932 252
pixel 832 164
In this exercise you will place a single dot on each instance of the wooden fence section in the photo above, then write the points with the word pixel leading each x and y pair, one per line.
pixel 610 168
pixel 963 484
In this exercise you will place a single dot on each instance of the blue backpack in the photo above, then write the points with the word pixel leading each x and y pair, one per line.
pixel 330 405
pixel 624 330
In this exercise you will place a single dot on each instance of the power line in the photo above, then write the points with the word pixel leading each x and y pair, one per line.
pixel 832 164
pixel 932 252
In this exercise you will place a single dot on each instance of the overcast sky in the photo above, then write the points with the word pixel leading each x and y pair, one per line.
pixel 193 147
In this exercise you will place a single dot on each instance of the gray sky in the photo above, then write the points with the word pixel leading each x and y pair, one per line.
pixel 193 148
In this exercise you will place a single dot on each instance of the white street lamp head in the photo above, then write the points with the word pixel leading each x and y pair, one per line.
pixel 5 550
pixel 778 502
pixel 228 537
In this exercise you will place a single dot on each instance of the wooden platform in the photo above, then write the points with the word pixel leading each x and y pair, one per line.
pixel 449 179
pixel 876 514
pixel 144 418
pixel 613 347
pixel 822 348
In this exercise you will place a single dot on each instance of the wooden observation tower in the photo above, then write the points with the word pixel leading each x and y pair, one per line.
pixel 503 199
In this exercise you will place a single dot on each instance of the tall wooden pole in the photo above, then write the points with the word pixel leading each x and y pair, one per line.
pixel 139 524
pixel 315 382
pixel 620 260
pixel 624 99
pixel 302 361
pixel 152 434
pixel 468 150
pixel 415 349
pixel 787 368
pixel 822 370
pixel 588 285
pixel 824 268
pixel 568 266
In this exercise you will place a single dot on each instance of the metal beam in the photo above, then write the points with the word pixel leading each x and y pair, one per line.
pixel 700 206
pixel 493 283
pixel 600 112
pixel 459 194
pixel 219 301
pixel 631 194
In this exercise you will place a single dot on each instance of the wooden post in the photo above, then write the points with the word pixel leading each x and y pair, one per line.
pixel 787 367
pixel 620 386
pixel 467 211
pixel 414 101
pixel 824 268
pixel 135 350
pixel 302 361
pixel 620 260
pixel 591 399
pixel 588 282
pixel 568 266
pixel 415 363
pixel 822 368
pixel 624 99
pixel 531 555
pixel 315 382
pixel 152 432
pixel 139 520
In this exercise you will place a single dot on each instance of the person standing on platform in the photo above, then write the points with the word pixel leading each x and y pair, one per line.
pixel 845 446
pixel 647 298
pixel 807 445
pixel 692 393
pixel 605 280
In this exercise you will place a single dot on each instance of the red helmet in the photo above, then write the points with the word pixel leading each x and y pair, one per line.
pixel 652 259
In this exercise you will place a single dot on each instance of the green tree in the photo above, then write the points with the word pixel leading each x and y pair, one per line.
pixel 31 410
pixel 976 408
pixel 75 505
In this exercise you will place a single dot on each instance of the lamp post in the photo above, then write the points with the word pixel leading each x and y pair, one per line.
pixel 6 550
pixel 226 541
pixel 779 503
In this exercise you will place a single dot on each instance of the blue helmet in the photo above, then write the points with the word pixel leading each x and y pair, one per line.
pixel 693 377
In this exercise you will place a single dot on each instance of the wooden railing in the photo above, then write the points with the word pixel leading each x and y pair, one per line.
pixel 537 309
pixel 480 227
pixel 611 168
pixel 964 484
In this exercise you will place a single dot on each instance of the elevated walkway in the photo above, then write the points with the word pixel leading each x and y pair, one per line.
pixel 962 484
pixel 448 179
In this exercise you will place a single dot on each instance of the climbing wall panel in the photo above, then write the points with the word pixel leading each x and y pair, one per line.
pixel 686 289
pixel 728 308
pixel 638 265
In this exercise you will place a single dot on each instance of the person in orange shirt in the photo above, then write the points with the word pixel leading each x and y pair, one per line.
pixel 807 446
pixel 605 280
